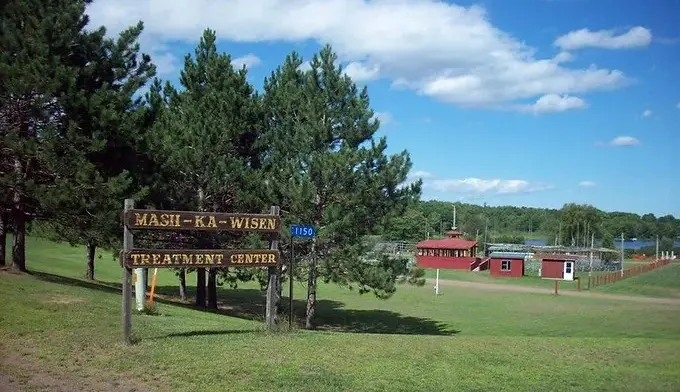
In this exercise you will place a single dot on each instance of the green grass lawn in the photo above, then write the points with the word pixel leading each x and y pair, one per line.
pixel 463 340
pixel 661 282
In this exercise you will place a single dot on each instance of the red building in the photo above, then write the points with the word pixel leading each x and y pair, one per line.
pixel 507 264
pixel 558 266
pixel 452 252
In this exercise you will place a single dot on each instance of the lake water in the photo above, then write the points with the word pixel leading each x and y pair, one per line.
pixel 627 244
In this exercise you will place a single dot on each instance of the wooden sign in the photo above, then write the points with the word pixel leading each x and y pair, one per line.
pixel 204 221
pixel 201 258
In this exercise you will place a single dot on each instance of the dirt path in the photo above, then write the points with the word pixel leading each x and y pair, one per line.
pixel 21 371
pixel 537 290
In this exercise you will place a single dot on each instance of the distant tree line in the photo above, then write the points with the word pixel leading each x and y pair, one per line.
pixel 84 124
pixel 573 224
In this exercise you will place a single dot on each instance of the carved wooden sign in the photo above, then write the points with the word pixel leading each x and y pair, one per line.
pixel 204 221
pixel 201 258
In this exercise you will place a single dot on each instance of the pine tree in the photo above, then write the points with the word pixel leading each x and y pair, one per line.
pixel 205 143
pixel 327 169
pixel 37 40
pixel 104 128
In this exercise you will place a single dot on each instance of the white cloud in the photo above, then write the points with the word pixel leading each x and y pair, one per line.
pixel 166 63
pixel 479 186
pixel 249 60
pixel 647 113
pixel 587 184
pixel 305 66
pixel 446 51
pixel 553 103
pixel 421 174
pixel 636 37
pixel 621 141
pixel 563 57
pixel 384 117
pixel 361 72
pixel 415 176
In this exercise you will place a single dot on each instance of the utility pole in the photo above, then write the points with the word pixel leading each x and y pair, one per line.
pixel 592 245
pixel 657 248
pixel 621 254
pixel 559 235
pixel 486 227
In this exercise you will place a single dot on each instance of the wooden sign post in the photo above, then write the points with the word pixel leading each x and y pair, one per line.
pixel 198 258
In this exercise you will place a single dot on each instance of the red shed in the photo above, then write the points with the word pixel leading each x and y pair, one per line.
pixel 558 266
pixel 448 253
pixel 507 264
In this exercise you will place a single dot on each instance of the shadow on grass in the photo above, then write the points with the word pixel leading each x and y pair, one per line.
pixel 250 304
pixel 91 285
pixel 203 333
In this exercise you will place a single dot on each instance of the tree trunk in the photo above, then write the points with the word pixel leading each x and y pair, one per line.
pixel 311 287
pixel 200 287
pixel 182 284
pixel 212 288
pixel 90 249
pixel 3 236
pixel 311 294
pixel 19 218
pixel 19 242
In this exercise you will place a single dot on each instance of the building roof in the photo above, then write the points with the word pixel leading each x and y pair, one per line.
pixel 509 255
pixel 447 243
pixel 560 257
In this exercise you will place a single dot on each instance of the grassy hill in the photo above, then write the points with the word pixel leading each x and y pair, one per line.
pixel 61 332
pixel 663 282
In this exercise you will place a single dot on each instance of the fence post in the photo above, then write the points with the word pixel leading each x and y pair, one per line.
pixel 555 286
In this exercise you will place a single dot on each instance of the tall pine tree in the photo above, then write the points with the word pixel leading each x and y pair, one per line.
pixel 205 142
pixel 106 128
pixel 37 42
pixel 326 168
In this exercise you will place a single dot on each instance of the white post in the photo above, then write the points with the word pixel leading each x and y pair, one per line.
pixel 140 288
pixel 436 285
pixel 454 218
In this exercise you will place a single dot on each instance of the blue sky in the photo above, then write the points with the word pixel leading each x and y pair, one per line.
pixel 528 103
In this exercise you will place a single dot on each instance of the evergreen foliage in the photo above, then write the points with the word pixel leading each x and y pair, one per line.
pixel 39 41
pixel 205 143
pixel 326 168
